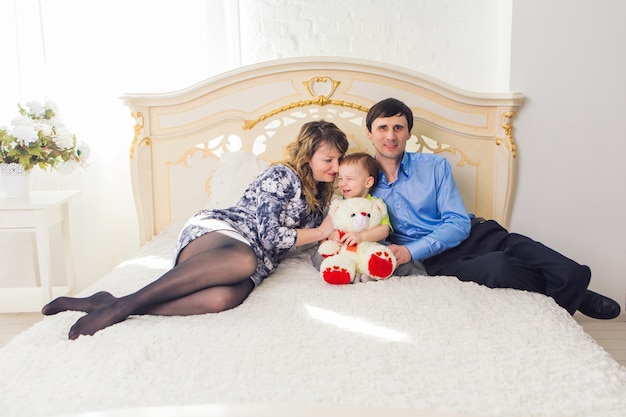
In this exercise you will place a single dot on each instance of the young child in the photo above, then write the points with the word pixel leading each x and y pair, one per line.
pixel 356 177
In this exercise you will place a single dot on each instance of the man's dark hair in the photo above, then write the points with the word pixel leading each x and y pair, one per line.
pixel 387 108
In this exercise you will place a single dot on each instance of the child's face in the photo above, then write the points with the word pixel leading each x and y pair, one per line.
pixel 354 181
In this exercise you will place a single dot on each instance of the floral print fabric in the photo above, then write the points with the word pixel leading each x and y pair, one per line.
pixel 267 216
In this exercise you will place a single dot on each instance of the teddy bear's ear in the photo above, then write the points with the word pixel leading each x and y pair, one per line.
pixel 380 206
pixel 334 204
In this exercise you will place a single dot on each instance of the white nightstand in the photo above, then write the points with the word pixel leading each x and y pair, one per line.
pixel 37 215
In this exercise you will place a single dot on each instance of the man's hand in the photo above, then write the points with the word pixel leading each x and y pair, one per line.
pixel 401 253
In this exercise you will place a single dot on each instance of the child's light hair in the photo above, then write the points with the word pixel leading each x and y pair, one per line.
pixel 365 160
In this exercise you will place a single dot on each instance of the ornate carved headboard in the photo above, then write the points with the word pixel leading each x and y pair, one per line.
pixel 180 137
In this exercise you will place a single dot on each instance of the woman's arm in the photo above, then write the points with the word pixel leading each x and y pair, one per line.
pixel 278 186
pixel 316 234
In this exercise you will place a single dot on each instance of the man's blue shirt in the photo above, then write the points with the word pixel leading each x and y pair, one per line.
pixel 425 207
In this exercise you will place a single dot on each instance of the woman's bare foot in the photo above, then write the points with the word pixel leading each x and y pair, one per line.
pixel 87 304
pixel 99 319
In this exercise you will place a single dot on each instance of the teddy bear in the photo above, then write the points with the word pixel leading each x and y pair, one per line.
pixel 344 264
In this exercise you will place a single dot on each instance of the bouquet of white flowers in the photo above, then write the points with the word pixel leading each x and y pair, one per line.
pixel 38 137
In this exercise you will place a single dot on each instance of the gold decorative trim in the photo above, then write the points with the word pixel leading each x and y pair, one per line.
pixel 507 125
pixel 139 123
pixel 319 100
pixel 464 160
pixel 422 146
pixel 309 85
pixel 144 141
pixel 183 160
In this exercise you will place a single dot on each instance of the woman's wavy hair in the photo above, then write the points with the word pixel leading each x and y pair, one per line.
pixel 299 152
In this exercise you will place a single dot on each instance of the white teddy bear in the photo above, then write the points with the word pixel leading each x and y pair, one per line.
pixel 344 264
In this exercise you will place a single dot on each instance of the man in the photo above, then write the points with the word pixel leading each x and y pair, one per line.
pixel 434 233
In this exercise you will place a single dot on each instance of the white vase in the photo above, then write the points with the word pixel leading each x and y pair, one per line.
pixel 16 180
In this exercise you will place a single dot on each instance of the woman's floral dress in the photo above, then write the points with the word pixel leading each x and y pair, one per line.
pixel 267 216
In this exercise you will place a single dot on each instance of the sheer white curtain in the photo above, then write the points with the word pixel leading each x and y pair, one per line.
pixel 83 55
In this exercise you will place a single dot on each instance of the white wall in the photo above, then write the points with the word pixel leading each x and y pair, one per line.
pixel 568 58
pixel 463 43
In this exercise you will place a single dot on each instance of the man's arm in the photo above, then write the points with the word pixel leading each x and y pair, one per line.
pixel 449 234
pixel 426 209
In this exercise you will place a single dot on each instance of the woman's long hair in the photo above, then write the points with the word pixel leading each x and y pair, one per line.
pixel 299 152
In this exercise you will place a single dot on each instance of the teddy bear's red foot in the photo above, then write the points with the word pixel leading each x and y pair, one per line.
pixel 380 265
pixel 336 275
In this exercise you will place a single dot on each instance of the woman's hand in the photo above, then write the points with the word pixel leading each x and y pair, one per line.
pixel 326 228
pixel 335 237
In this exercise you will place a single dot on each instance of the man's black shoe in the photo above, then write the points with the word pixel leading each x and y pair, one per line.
pixel 598 306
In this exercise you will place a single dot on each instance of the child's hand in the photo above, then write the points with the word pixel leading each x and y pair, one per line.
pixel 352 238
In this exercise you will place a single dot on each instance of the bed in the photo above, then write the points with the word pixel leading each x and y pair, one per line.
pixel 298 346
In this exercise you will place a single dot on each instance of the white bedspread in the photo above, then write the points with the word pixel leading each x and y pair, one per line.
pixel 419 343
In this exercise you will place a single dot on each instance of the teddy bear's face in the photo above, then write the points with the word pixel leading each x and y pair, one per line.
pixel 357 214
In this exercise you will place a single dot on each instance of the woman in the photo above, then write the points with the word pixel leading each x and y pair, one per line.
pixel 213 272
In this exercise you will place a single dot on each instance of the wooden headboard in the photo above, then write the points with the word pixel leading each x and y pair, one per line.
pixel 180 136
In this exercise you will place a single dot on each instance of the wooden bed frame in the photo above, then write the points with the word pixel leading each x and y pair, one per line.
pixel 297 346
pixel 180 137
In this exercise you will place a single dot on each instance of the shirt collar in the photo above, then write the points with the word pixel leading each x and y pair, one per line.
pixel 405 166
pixel 404 169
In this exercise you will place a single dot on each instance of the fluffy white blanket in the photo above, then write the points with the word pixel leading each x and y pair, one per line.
pixel 411 343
